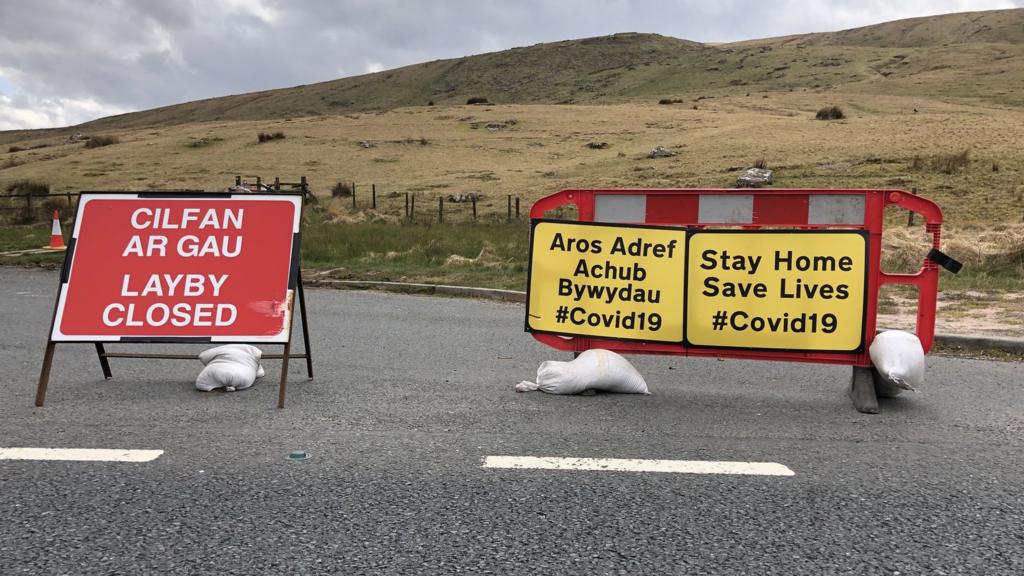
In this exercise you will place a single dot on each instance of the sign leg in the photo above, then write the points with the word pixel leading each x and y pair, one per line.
pixel 283 387
pixel 305 328
pixel 44 374
pixel 104 363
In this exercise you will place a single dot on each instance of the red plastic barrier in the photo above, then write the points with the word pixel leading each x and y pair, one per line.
pixel 804 209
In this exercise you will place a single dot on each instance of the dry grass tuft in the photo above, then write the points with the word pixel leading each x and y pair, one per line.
pixel 100 141
pixel 952 163
pixel 485 258
pixel 904 249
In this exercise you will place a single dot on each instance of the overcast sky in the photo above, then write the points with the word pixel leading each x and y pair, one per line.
pixel 63 62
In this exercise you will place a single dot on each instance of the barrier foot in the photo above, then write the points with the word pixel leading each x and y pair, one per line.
pixel 862 390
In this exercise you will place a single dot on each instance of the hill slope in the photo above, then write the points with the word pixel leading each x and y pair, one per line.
pixel 975 55
pixel 995 26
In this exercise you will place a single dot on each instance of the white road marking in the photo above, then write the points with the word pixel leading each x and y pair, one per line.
pixel 79 454
pixel 633 465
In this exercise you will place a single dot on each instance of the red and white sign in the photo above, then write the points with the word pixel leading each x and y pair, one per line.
pixel 151 267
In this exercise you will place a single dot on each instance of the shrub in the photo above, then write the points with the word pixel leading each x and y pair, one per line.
pixel 665 101
pixel 30 187
pixel 14 149
pixel 100 141
pixel 995 166
pixel 341 190
pixel 21 213
pixel 57 204
pixel 761 164
pixel 477 100
pixel 267 136
pixel 830 113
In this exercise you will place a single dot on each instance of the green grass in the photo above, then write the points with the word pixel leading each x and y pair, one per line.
pixel 989 278
pixel 27 237
pixel 417 253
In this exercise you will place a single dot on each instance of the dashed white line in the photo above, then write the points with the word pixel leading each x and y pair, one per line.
pixel 80 454
pixel 635 465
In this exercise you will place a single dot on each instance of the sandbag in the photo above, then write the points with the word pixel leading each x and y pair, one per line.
pixel 602 370
pixel 899 360
pixel 232 367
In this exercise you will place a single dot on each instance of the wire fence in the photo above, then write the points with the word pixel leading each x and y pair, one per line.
pixel 38 206
pixel 34 207
pixel 425 207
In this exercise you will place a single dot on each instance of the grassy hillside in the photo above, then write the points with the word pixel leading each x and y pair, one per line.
pixel 534 150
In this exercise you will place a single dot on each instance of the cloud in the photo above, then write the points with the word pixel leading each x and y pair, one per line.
pixel 67 62
pixel 29 112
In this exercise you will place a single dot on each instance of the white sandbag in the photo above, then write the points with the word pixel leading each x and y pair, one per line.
pixel 232 367
pixel 899 359
pixel 593 370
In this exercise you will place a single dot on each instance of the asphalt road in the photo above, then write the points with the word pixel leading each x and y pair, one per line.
pixel 412 392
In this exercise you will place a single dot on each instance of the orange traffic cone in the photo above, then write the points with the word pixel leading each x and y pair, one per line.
pixel 56 237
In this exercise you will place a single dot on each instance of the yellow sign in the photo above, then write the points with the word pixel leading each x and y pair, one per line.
pixel 607 281
pixel 785 290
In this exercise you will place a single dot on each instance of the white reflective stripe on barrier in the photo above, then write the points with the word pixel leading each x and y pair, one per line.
pixel 622 208
pixel 726 209
pixel 836 209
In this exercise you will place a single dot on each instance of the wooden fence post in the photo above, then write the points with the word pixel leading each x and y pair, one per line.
pixel 373 196
pixel 517 207
pixel 353 195
pixel 473 198
pixel 277 183
pixel 509 217
pixel 406 205
pixel 412 207
pixel 440 209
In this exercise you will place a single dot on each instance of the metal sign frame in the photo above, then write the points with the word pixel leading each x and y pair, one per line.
pixel 294 288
